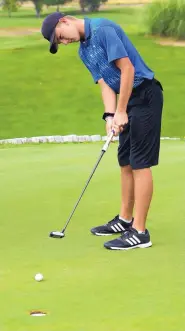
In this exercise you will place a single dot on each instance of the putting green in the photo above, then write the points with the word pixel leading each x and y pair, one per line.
pixel 86 287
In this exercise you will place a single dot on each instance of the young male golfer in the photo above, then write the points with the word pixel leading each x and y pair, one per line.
pixel 135 115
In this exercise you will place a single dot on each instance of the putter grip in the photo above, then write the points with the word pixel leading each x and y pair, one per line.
pixel 109 138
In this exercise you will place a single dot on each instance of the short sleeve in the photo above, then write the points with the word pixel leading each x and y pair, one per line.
pixel 113 45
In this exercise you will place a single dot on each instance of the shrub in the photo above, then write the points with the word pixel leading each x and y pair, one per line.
pixel 167 18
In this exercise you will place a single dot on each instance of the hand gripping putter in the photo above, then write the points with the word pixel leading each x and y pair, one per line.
pixel 61 234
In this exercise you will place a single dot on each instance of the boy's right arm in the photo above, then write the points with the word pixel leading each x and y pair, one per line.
pixel 110 102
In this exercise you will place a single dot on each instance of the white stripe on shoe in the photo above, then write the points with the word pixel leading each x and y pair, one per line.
pixel 136 238
pixel 117 227
pixel 134 241
pixel 130 242
pixel 114 229
pixel 102 234
pixel 121 227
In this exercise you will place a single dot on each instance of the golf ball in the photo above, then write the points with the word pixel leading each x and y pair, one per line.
pixel 39 277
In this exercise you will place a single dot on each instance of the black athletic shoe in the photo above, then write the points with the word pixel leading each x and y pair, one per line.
pixel 130 239
pixel 115 226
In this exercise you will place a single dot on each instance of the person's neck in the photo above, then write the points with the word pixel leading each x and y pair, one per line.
pixel 80 23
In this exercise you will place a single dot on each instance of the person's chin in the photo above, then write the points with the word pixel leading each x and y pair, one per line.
pixel 76 40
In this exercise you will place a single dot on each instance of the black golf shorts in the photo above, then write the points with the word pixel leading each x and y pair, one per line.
pixel 139 143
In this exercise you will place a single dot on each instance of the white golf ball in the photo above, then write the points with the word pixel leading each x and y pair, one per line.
pixel 39 277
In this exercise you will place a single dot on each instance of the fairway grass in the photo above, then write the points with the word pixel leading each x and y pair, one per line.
pixel 42 94
pixel 86 287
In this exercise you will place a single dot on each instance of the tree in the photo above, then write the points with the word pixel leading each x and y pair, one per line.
pixel 38 7
pixel 82 5
pixel 91 5
pixel 56 3
pixel 10 6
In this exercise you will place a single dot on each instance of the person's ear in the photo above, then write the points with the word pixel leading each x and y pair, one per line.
pixel 63 20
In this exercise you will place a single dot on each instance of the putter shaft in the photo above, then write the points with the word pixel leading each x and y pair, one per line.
pixel 104 149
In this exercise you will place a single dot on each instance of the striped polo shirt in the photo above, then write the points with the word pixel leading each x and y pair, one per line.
pixel 105 42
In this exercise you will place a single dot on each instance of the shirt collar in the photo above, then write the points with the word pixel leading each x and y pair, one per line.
pixel 87 28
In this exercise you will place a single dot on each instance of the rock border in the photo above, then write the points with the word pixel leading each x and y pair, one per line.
pixel 65 139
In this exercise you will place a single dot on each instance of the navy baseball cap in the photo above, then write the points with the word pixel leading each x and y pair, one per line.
pixel 48 29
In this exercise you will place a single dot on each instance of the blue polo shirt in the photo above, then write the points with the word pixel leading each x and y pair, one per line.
pixel 105 42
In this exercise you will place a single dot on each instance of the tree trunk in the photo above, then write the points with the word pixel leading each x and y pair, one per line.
pixel 37 12
pixel 9 12
pixel 37 8
pixel 82 5
pixel 58 8
pixel 92 9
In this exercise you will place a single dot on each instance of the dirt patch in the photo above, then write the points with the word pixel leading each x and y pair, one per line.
pixel 17 32
pixel 169 42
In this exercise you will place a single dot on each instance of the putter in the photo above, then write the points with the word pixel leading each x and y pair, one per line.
pixel 61 234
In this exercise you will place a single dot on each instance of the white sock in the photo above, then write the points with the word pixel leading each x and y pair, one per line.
pixel 141 232
pixel 124 220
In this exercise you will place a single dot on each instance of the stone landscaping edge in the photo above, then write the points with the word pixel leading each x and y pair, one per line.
pixel 66 139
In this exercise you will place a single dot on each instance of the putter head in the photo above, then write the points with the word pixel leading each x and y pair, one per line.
pixel 57 234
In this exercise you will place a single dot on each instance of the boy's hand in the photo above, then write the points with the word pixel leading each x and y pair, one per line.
pixel 120 120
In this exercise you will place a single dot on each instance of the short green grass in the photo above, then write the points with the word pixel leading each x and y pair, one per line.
pixel 26 17
pixel 43 94
pixel 86 287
